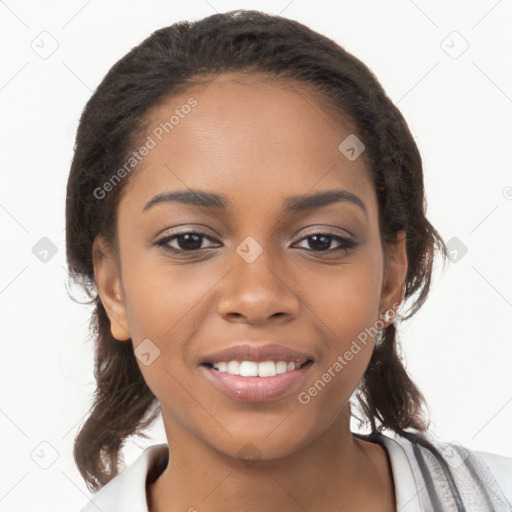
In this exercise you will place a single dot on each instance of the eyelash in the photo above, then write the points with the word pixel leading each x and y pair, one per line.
pixel 345 243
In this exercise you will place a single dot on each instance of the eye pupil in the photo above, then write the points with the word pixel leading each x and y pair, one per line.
pixel 192 241
pixel 325 244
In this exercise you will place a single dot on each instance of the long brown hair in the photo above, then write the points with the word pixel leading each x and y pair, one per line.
pixel 166 63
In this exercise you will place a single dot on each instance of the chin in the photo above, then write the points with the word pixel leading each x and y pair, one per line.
pixel 252 448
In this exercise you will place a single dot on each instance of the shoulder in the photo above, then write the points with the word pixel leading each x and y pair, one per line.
pixel 434 473
pixel 501 468
pixel 127 491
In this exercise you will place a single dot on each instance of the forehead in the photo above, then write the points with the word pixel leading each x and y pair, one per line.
pixel 246 137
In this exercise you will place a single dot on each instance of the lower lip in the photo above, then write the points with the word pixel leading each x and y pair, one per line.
pixel 256 389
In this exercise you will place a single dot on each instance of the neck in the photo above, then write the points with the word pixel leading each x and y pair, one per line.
pixel 335 472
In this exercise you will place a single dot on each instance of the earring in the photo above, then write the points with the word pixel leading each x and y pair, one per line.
pixel 380 336
pixel 387 315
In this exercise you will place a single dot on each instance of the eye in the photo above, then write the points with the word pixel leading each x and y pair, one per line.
pixel 189 241
pixel 321 242
pixel 192 241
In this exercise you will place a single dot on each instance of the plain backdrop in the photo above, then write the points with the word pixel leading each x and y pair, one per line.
pixel 445 64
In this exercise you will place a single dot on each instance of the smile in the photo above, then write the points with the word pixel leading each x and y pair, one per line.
pixel 255 369
pixel 250 381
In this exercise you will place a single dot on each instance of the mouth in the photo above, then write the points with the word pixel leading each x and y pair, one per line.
pixel 264 369
pixel 238 380
pixel 251 372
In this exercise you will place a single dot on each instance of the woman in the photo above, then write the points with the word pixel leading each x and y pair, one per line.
pixel 246 207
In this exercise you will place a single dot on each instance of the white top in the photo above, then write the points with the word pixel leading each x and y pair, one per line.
pixel 127 491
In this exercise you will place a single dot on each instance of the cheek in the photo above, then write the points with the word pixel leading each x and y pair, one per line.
pixel 160 297
pixel 163 304
pixel 346 300
pixel 347 308
pixel 346 330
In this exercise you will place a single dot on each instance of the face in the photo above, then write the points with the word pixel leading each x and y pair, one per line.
pixel 262 264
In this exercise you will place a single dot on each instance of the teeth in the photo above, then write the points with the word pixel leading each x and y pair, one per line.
pixel 281 367
pixel 266 369
pixel 233 367
pixel 253 369
pixel 248 369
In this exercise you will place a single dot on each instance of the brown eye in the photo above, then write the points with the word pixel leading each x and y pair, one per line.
pixel 184 242
pixel 321 242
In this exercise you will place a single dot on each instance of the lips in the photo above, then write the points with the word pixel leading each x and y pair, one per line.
pixel 274 385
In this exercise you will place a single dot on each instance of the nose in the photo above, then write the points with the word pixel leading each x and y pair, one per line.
pixel 258 292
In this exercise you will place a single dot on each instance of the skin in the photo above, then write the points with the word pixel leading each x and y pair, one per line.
pixel 257 141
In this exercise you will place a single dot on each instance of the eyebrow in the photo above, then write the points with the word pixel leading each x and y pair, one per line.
pixel 291 203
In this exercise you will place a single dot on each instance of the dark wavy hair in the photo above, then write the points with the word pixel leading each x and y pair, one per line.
pixel 166 63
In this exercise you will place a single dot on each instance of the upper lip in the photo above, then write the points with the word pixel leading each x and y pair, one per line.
pixel 257 353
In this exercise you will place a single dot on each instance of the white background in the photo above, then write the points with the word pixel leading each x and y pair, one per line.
pixel 457 348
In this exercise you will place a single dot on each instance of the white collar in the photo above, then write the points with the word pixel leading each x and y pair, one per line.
pixel 127 491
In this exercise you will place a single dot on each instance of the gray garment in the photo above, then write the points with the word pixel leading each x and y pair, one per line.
pixel 449 477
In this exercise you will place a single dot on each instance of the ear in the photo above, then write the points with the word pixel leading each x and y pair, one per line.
pixel 108 282
pixel 395 272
